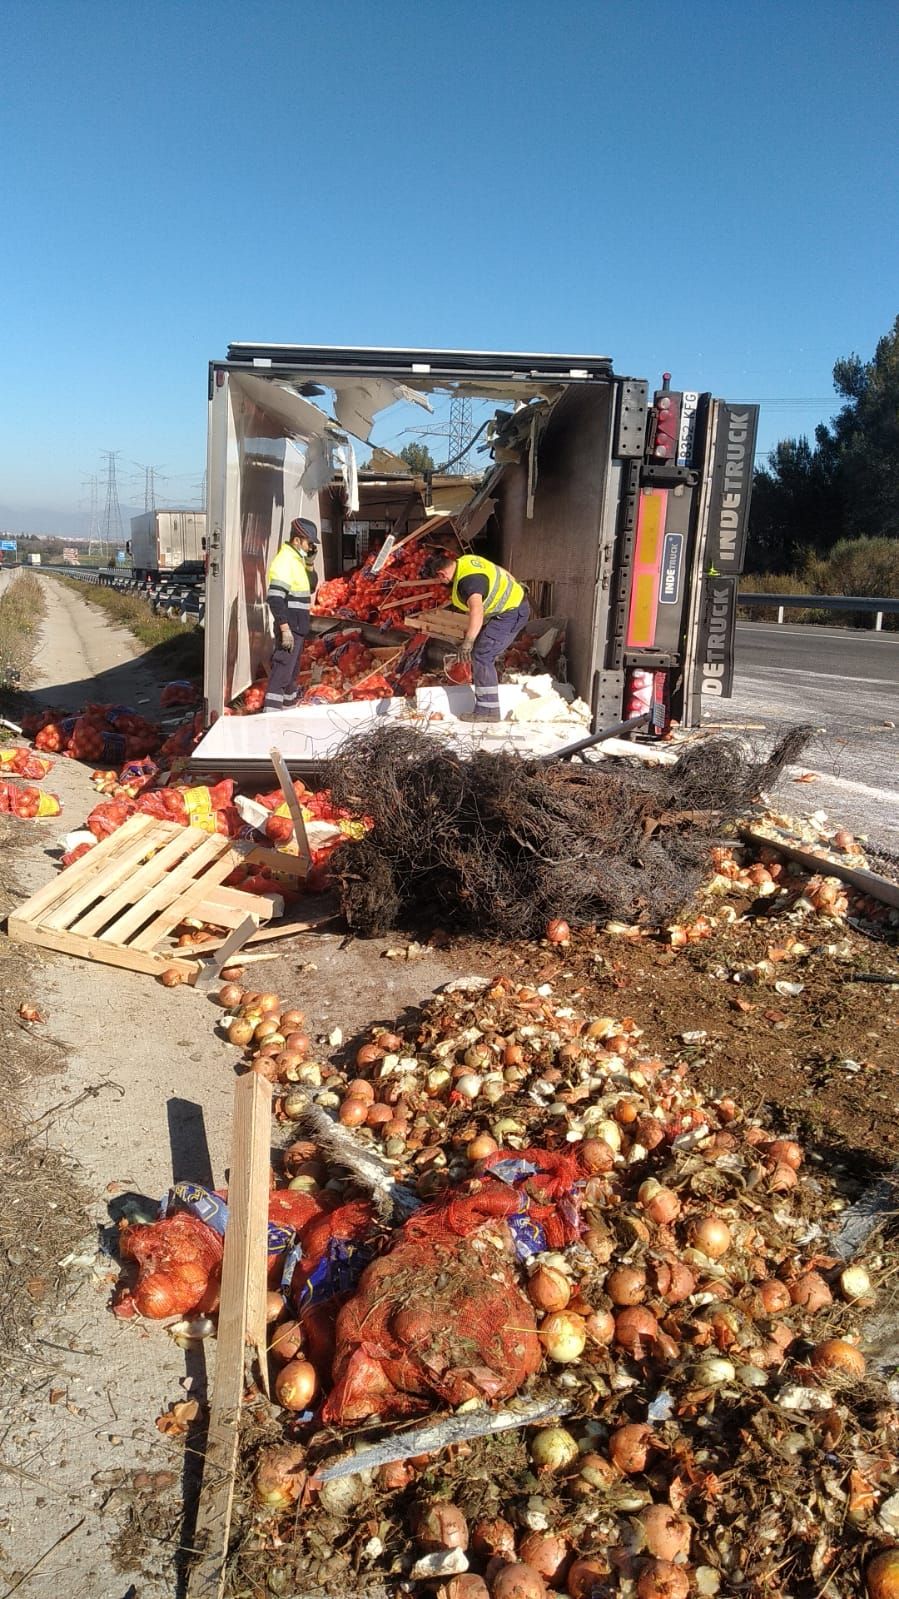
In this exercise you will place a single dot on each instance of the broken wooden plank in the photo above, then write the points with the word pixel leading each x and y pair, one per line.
pixel 91 949
pixel 226 952
pixel 856 876
pixel 241 1319
pixel 293 805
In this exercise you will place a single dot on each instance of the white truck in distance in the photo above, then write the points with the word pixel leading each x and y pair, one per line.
pixel 161 541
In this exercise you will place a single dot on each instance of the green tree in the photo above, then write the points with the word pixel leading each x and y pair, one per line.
pixel 863 440
pixel 847 486
pixel 796 507
pixel 418 458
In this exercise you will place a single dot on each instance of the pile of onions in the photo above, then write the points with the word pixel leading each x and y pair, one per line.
pixel 664 1286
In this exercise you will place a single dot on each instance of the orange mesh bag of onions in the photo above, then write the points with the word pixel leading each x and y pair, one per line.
pixel 441 1316
pixel 178 1258
pixel 438 1317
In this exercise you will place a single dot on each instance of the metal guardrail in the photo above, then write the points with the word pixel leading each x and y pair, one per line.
pixel 182 602
pixel 825 602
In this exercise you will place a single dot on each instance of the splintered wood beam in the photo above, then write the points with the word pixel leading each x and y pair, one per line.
pixel 241 1322
pixel 293 805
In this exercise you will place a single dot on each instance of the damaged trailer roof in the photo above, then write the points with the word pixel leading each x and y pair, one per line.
pixel 437 365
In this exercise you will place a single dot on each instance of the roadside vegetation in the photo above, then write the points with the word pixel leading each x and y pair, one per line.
pixel 864 567
pixel 824 517
pixel 21 610
pixel 177 647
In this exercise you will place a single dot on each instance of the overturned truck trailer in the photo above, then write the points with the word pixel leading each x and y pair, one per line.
pixel 624 513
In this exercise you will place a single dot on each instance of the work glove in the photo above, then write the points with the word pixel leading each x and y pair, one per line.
pixel 285 638
pixel 465 649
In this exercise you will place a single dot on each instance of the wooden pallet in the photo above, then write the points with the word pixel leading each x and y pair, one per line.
pixel 444 623
pixel 121 900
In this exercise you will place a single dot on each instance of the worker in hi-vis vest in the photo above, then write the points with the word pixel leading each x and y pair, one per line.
pixel 291 584
pixel 497 609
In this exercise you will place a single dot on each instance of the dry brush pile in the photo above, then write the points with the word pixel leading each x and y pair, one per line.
pixel 501 846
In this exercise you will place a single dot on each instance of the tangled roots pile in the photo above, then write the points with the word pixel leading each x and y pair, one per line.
pixel 497 844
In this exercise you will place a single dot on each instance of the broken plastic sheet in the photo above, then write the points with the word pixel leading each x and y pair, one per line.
pixel 357 401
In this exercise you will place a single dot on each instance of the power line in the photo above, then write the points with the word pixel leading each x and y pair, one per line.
pixel 112 511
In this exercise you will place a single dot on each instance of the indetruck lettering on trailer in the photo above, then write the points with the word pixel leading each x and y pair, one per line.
pixel 734 484
pixel 731 487
pixel 717 641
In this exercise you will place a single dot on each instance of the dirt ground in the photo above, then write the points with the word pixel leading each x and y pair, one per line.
pixel 128 1086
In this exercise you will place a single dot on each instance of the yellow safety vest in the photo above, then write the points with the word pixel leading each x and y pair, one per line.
pixel 288 578
pixel 503 592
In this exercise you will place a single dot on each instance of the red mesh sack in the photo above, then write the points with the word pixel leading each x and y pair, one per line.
pixel 109 816
pixel 438 1317
pixel 177 1259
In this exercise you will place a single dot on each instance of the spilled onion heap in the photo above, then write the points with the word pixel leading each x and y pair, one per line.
pixel 660 1266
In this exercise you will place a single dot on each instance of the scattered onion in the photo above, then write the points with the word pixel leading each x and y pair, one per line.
pixel 563 1336
pixel 518 1581
pixel 775 1296
pixel 292 1020
pixel 394 1476
pixel 660 1203
pixel 662 1579
pixel 352 1112
pixel 665 1534
pixel 810 1291
pixel 493 1536
pixel 882 1575
pixel 854 1283
pixel 465 1586
pixel 785 1151
pixel 636 1330
pixel 711 1235
pixel 230 996
pixel 586 1577
pixel 626 1285
pixel 358 1088
pixel 558 932
pixel 553 1449
pixel 274 1306
pixel 286 1341
pixel 240 1031
pixel 295 1384
pixel 546 1552
pixel 441 1525
pixel 279 1476
pixel 596 1155
pixel 549 1289
pixel 630 1446
pixel 172 977
pixel 600 1326
pixel 835 1354
pixel 481 1146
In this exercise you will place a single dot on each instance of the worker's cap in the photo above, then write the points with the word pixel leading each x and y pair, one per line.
pixel 436 561
pixel 302 527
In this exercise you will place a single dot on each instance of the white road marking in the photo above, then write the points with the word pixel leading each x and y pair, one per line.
pixel 845 635
pixel 798 671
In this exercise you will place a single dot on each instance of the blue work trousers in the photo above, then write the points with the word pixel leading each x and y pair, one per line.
pixel 494 638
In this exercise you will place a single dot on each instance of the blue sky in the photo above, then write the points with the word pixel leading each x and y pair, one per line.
pixel 704 188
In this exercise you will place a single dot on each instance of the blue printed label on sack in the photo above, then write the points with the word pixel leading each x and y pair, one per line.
pixel 528 1238
pixel 212 1210
pixel 512 1170
pixel 337 1272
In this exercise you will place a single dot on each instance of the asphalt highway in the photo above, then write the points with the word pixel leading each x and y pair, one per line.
pixel 845 683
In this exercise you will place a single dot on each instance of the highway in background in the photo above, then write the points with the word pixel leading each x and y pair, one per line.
pixel 845 682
